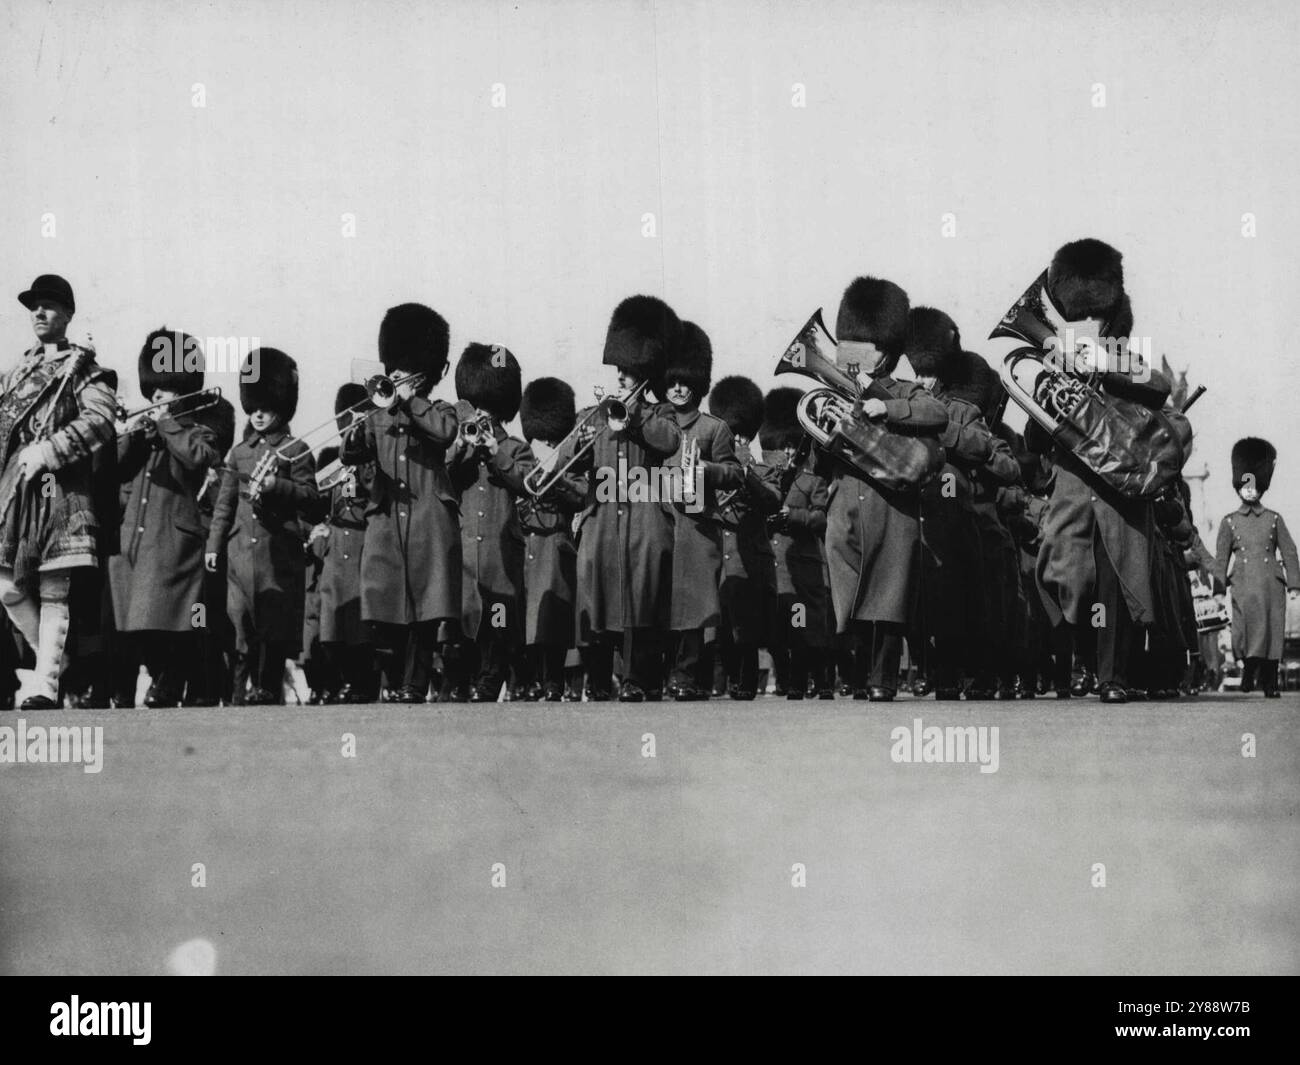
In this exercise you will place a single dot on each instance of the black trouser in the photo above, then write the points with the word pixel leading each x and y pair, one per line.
pixel 741 661
pixel 1261 673
pixel 405 654
pixel 877 654
pixel 484 662
pixel 1118 636
pixel 642 660
pixel 541 663
pixel 263 665
pixel 692 661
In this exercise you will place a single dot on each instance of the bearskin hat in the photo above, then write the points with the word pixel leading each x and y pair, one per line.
pixel 738 402
pixel 170 360
pixel 874 311
pixel 933 342
pixel 414 338
pixel 275 387
pixel 1086 279
pixel 644 333
pixel 691 362
pixel 220 418
pixel 488 376
pixel 349 395
pixel 781 426
pixel 1255 456
pixel 971 378
pixel 548 411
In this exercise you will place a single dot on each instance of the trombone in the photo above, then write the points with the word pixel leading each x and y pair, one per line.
pixel 206 397
pixel 614 409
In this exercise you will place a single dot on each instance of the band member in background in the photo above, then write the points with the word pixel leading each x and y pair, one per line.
pixel 1094 566
pixel 57 408
pixel 212 673
pixel 747 594
pixel 803 619
pixel 487 468
pixel 625 542
pixel 264 511
pixel 164 456
pixel 1258 557
pixel 319 669
pixel 548 414
pixel 411 561
pixel 873 533
pixel 346 640
pixel 993 662
pixel 951 573
pixel 1025 522
pixel 697 535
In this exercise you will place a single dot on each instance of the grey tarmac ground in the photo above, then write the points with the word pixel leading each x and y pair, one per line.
pixel 619 863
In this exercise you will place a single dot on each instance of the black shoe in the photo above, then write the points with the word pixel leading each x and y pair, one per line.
pixel 1113 693
pixel 197 701
pixel 38 702
pixel 1026 693
pixel 1084 684
pixel 861 694
pixel 409 694
pixel 599 695
pixel 1137 695
pixel 681 694
pixel 484 693
pixel 157 697
pixel 743 695
pixel 86 701
pixel 553 692
pixel 826 693
pixel 1064 693
pixel 946 695
pixel 631 693
pixel 978 694
pixel 921 688
pixel 1272 695
pixel 1006 692
pixel 845 690
pixel 793 695
pixel 880 695
pixel 778 691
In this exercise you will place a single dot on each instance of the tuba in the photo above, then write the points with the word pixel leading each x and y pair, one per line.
pixel 827 416
pixel 1129 447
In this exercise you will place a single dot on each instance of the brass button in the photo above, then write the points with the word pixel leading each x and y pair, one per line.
pixel 253 540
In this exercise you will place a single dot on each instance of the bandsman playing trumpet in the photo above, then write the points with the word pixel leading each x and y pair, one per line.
pixel 707 458
pixel 487 468
pixel 625 546
pixel 266 505
pixel 411 563
pixel 157 578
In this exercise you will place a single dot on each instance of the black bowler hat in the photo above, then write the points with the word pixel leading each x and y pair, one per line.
pixel 49 286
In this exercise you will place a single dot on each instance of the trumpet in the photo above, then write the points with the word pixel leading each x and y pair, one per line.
pixel 614 409
pixel 383 387
pixel 476 429
pixel 205 398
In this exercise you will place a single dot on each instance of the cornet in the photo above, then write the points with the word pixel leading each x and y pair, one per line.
pixel 614 409
pixel 476 429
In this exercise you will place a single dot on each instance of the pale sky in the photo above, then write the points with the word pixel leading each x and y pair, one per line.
pixel 523 223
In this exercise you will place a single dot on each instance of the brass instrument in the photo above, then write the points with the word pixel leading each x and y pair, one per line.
pixel 690 470
pixel 382 387
pixel 615 411
pixel 1135 450
pixel 828 416
pixel 476 429
pixel 208 397
pixel 335 474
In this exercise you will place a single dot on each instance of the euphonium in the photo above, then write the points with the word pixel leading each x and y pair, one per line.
pixel 1135 450
pixel 828 416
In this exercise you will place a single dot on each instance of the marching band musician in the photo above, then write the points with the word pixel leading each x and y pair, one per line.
pixel 1025 522
pixel 993 662
pixel 625 544
pixel 346 641
pixel 57 408
pixel 1257 555
pixel 211 677
pixel 697 536
pixel 1094 566
pixel 747 593
pixel 488 473
pixel 547 414
pixel 319 669
pixel 1172 641
pixel 803 619
pixel 163 461
pixel 411 559
pixel 951 571
pixel 873 533
pixel 266 504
